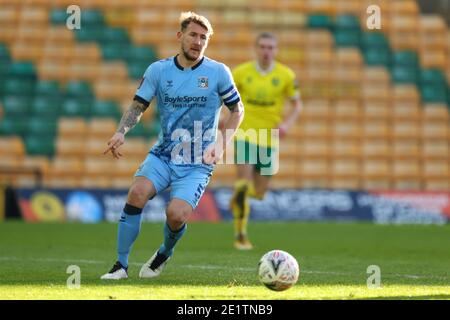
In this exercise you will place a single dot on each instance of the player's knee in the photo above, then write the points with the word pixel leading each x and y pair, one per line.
pixel 138 195
pixel 178 215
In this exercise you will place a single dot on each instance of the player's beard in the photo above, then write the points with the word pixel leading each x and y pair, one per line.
pixel 188 56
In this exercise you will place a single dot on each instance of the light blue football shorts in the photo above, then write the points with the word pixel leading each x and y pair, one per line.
pixel 187 182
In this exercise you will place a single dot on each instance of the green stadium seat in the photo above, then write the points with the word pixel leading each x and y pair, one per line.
pixel 114 35
pixel 405 58
pixel 377 57
pixel 40 145
pixel 48 106
pixel 114 51
pixel 404 75
pixel 347 21
pixel 18 106
pixel 42 126
pixel 433 93
pixel 143 54
pixel 347 38
pixel 4 53
pixel 75 108
pixel 106 109
pixel 13 126
pixel 434 76
pixel 88 34
pixel 24 69
pixel 92 18
pixel 136 69
pixel 58 16
pixel 77 89
pixel 17 86
pixel 374 40
pixel 47 88
pixel 319 21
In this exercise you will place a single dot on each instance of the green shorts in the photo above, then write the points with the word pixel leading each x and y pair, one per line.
pixel 250 153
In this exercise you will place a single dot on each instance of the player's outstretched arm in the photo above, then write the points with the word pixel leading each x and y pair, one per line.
pixel 129 119
pixel 215 151
pixel 291 118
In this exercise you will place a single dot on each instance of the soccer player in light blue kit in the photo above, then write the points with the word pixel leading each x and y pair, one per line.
pixel 189 89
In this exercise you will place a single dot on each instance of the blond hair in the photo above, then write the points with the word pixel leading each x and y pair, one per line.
pixel 189 16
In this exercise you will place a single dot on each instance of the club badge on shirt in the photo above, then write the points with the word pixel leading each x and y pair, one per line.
pixel 203 82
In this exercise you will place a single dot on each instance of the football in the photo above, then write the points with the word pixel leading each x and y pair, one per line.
pixel 278 270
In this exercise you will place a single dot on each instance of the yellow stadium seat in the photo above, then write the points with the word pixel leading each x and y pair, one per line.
pixel 406 149
pixel 314 129
pixel 373 76
pixel 406 168
pixel 12 145
pixel 314 173
pixel 126 166
pixel 435 112
pixel 377 128
pixel 436 168
pixel 376 174
pixel 101 128
pixel 354 7
pixel 345 168
pixel 439 130
pixel 437 184
pixel 434 58
pixel 314 148
pixel 66 166
pixel 405 40
pixel 346 148
pixel 99 165
pixel 94 181
pixel 435 149
pixel 74 147
pixel 40 163
pixel 347 128
pixel 377 110
pixel 406 129
pixel 315 109
pixel 121 182
pixel 62 182
pixel 376 148
pixel 75 128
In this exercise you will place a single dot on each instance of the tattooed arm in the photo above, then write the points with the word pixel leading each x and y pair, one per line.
pixel 129 119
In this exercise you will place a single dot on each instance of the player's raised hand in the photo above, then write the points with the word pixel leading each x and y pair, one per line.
pixel 114 143
pixel 212 154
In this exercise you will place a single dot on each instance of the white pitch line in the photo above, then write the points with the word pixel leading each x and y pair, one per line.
pixel 212 267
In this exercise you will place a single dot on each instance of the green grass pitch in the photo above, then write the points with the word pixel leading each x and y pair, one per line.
pixel 333 258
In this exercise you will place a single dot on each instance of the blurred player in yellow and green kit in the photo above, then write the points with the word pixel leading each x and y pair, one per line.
pixel 265 86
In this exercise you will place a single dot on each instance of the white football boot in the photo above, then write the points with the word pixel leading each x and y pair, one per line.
pixel 117 272
pixel 154 266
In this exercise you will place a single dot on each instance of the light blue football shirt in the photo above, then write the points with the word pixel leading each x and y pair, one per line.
pixel 188 102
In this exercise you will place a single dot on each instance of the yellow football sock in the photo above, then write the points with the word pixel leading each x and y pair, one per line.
pixel 240 207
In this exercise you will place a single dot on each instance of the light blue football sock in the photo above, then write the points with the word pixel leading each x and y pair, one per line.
pixel 129 227
pixel 170 239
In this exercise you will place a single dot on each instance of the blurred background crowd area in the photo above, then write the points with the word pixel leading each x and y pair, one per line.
pixel 376 102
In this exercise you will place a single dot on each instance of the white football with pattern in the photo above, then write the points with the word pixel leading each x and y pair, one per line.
pixel 278 270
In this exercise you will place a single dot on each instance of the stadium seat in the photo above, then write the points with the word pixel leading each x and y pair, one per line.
pixel 72 128
pixel 74 147
pixel 42 126
pixel 106 109
pixel 16 106
pixel 75 108
pixel 319 21
pixel 13 126
pixel 101 128
pixel 12 145
pixel 432 93
pixel 49 107
pixel 347 38
pixel 40 145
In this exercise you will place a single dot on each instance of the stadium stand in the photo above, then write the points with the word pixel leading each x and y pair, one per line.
pixel 376 102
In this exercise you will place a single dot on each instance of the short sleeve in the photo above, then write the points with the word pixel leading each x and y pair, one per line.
pixel 148 85
pixel 292 89
pixel 227 88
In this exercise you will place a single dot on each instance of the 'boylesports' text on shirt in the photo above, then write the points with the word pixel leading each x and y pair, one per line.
pixel 188 102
